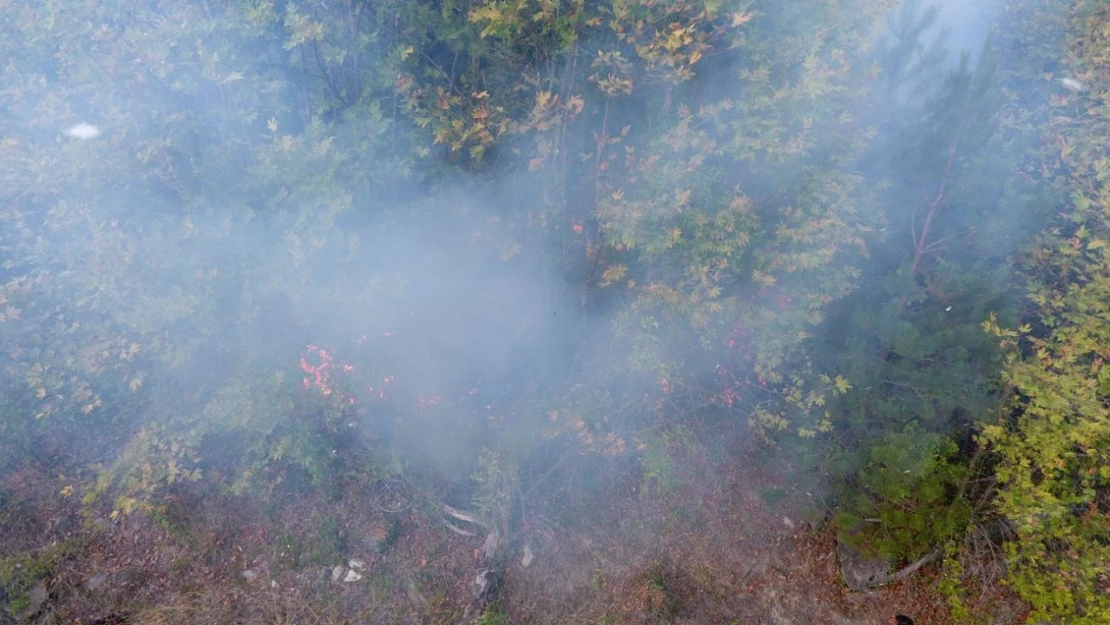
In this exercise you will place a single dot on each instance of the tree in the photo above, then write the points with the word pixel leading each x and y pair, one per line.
pixel 740 214
pixel 1054 467
pixel 901 455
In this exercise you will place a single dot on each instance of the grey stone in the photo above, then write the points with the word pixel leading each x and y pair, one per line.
pixel 840 619
pixel 36 598
pixel 860 571
pixel 352 576
pixel 1008 612
pixel 96 582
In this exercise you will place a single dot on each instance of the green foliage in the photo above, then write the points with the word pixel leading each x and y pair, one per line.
pixel 126 287
pixel 493 618
pixel 497 481
pixel 329 545
pixel 909 340
pixel 711 180
pixel 951 583
pixel 718 234
pixel 661 474
pixel 148 466
pixel 923 379
pixel 903 501
pixel 20 572
pixel 907 62
pixel 1054 469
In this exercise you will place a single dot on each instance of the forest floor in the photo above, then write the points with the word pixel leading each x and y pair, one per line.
pixel 721 545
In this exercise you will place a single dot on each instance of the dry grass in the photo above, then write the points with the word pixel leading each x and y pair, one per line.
pixel 715 550
pixel 209 607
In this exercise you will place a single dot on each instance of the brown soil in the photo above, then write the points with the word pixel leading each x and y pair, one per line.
pixel 714 549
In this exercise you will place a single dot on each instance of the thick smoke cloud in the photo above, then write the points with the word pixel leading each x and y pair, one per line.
pixel 204 220
pixel 460 318
pixel 968 22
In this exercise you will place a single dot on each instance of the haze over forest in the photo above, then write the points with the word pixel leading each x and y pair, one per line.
pixel 553 311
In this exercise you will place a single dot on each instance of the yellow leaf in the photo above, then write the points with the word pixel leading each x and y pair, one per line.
pixel 40 393
pixel 323 147
pixel 543 98
pixel 509 250
pixel 740 18
pixel 612 274
pixel 575 104
pixel 135 383
pixel 763 279
pixel 67 491
pixel 826 424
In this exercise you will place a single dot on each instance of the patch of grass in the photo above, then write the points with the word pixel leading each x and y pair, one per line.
pixel 326 543
pixel 289 549
pixel 20 572
pixel 668 589
pixel 9 508
pixel 677 516
pixel 660 473
pixel 813 514
pixel 391 535
pixel 180 565
pixel 381 588
pixel 330 543
pixel 492 618
pixel 772 496
pixel 662 598
pixel 163 517
pixel 597 578
pixel 438 608
pixel 383 536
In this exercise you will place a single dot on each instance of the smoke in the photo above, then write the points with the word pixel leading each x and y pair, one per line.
pixel 968 22
pixel 431 263
pixel 233 224
pixel 83 131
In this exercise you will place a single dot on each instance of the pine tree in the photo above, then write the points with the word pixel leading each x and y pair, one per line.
pixel 909 340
